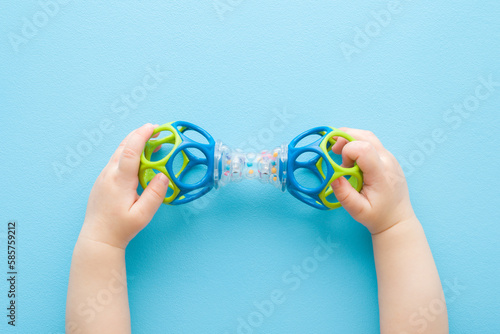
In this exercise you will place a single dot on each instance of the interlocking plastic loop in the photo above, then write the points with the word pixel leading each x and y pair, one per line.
pixel 319 161
pixel 180 191
pixel 223 165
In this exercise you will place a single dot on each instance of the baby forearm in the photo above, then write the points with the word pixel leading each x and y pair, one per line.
pixel 408 281
pixel 97 293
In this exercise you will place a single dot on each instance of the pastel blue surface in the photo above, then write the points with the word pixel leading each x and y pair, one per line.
pixel 201 267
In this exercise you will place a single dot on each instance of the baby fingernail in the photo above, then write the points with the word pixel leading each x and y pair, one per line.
pixel 163 178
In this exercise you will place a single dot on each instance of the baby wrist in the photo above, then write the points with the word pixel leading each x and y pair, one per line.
pixel 393 224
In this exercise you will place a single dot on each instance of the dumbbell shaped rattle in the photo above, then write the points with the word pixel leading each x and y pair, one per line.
pixel 195 164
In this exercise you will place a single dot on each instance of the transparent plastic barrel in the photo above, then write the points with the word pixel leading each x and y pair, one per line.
pixel 235 165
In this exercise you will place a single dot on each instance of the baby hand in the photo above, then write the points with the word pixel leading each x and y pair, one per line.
pixel 115 212
pixel 384 200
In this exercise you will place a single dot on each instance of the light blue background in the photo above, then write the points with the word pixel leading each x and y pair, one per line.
pixel 196 269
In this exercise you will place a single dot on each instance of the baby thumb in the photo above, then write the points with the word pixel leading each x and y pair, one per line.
pixel 152 196
pixel 347 196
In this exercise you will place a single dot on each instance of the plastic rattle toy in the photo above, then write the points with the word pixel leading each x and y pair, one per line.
pixel 191 148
